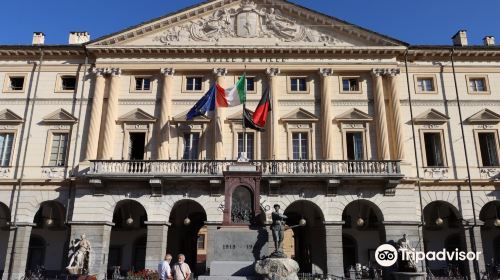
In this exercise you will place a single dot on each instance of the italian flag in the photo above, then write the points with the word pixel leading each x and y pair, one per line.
pixel 237 94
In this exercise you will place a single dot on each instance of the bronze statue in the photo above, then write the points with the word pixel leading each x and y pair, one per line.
pixel 278 227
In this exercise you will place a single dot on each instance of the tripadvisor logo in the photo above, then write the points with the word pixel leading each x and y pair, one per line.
pixel 387 255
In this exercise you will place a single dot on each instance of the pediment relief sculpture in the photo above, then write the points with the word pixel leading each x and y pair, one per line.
pixel 246 21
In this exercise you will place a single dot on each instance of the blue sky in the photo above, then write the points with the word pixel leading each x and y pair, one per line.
pixel 415 22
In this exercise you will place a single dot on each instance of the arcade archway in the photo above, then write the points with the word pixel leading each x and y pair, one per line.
pixel 444 230
pixel 187 234
pixel 490 232
pixel 127 246
pixel 48 244
pixel 309 241
pixel 362 232
pixel 4 234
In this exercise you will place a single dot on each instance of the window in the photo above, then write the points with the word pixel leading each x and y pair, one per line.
pixel 250 84
pixel 58 149
pixel 300 143
pixel 354 145
pixel 425 84
pixel 193 83
pixel 142 84
pixel 68 83
pixel 298 84
pixel 136 145
pixel 434 153
pixel 488 147
pixel 477 85
pixel 249 142
pixel 16 83
pixel 200 243
pixel 6 141
pixel 350 84
pixel 191 143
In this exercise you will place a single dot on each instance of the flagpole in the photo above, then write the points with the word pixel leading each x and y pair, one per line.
pixel 243 115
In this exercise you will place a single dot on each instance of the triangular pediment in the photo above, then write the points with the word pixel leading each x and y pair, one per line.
pixel 354 115
pixel 484 116
pixel 238 116
pixel 259 22
pixel 181 118
pixel 299 115
pixel 7 116
pixel 431 116
pixel 137 116
pixel 60 116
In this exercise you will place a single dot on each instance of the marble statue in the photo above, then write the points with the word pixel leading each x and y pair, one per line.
pixel 404 246
pixel 80 256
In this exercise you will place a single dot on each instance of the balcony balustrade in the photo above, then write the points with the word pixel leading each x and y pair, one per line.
pixel 269 168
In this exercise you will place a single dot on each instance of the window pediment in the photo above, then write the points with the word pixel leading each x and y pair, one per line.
pixel 484 116
pixel 9 117
pixel 431 116
pixel 182 118
pixel 58 117
pixel 354 115
pixel 299 116
pixel 137 116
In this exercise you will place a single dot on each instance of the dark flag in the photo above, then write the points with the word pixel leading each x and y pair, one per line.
pixel 258 119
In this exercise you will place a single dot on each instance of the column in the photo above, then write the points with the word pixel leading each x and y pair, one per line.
pixel 106 152
pixel 396 114
pixel 98 234
pixel 380 115
pixel 394 231
pixel 95 115
pixel 156 245
pixel 334 249
pixel 473 235
pixel 220 116
pixel 273 139
pixel 326 113
pixel 21 245
pixel 165 112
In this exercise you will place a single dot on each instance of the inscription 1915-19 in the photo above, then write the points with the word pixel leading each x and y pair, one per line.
pixel 237 247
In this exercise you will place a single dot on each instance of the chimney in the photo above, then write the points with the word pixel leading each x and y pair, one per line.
pixel 38 38
pixel 460 39
pixel 489 41
pixel 77 38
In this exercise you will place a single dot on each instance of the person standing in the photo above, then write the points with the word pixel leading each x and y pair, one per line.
pixel 164 270
pixel 181 269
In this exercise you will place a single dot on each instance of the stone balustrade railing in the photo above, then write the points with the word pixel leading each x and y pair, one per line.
pixel 269 168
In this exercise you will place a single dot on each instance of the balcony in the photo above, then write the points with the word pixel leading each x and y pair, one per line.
pixel 270 168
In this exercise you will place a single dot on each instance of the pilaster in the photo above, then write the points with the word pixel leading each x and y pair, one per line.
pixel 326 113
pixel 399 149
pixel 19 240
pixel 110 117
pixel 95 115
pixel 273 136
pixel 98 234
pixel 219 119
pixel 156 245
pixel 334 249
pixel 165 114
pixel 380 115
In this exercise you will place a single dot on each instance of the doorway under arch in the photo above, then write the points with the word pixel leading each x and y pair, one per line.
pixel 187 220
pixel 127 245
pixel 49 239
pixel 444 230
pixel 490 232
pixel 363 231
pixel 4 234
pixel 309 241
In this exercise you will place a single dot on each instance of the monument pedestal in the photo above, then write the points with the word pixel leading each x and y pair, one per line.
pixel 277 268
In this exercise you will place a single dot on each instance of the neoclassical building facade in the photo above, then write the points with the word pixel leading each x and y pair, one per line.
pixel 369 138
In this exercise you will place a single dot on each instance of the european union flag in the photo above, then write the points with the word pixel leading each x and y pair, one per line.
pixel 204 105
